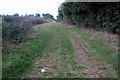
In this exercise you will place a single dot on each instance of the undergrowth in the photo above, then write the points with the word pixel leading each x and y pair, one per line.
pixel 18 59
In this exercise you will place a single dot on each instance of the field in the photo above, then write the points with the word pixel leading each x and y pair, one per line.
pixel 55 50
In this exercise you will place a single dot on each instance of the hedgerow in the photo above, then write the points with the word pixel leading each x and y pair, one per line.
pixel 99 16
pixel 18 28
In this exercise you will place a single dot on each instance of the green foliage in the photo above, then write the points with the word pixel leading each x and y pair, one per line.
pixel 38 15
pixel 100 16
pixel 18 62
pixel 18 28
pixel 99 48
pixel 48 16
pixel 16 14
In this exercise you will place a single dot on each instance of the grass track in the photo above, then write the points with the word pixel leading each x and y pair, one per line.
pixel 58 55
pixel 50 47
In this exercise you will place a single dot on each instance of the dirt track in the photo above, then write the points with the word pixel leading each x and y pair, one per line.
pixel 92 68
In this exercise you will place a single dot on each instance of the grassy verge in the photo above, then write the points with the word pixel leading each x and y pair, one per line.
pixel 18 59
pixel 101 47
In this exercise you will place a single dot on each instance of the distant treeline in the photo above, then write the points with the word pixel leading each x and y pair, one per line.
pixel 44 16
pixel 18 28
pixel 100 16
pixel 26 15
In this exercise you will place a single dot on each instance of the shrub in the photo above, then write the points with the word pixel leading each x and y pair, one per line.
pixel 18 28
pixel 99 16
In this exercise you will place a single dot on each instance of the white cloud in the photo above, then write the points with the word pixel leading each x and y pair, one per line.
pixel 29 6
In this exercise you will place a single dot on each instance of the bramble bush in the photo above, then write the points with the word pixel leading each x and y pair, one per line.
pixel 18 28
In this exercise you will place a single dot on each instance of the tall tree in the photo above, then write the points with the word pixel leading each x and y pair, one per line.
pixel 100 16
pixel 16 14
pixel 38 15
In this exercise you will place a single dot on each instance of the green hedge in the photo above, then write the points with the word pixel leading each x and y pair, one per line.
pixel 100 16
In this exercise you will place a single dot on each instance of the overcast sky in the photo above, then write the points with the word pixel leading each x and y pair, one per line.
pixel 29 6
